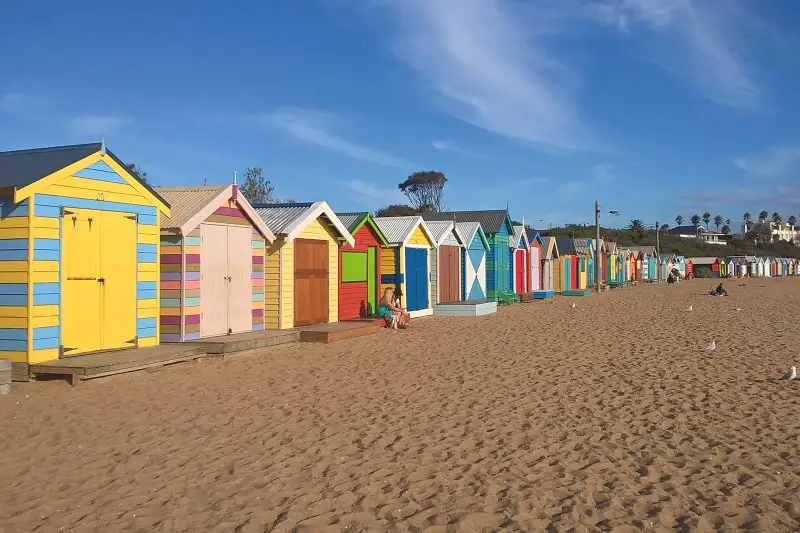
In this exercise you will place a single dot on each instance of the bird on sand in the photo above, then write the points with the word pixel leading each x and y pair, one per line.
pixel 711 347
pixel 573 305
pixel 791 374
pixel 738 308
pixel 690 308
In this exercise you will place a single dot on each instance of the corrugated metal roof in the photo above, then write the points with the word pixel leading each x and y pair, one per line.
pixel 565 245
pixel 396 229
pixel 644 249
pixel 278 217
pixel 439 228
pixel 350 220
pixel 19 168
pixel 702 260
pixel 467 230
pixel 583 246
pixel 491 220
pixel 186 202
pixel 513 240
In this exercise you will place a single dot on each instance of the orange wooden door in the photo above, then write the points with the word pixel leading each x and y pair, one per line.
pixel 310 282
pixel 240 273
pixel 449 289
pixel 213 280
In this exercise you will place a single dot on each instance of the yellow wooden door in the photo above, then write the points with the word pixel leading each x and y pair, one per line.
pixel 81 315
pixel 118 280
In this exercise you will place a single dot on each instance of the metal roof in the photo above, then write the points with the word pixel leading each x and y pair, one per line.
pixel 583 246
pixel 397 229
pixel 185 202
pixel 515 237
pixel 650 250
pixel 19 168
pixel 565 245
pixel 351 220
pixel 491 220
pixel 467 230
pixel 278 217
pixel 702 260
pixel 440 229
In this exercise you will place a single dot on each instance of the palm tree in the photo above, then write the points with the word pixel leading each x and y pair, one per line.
pixel 706 218
pixel 727 222
pixel 792 221
pixel 679 220
pixel 718 221
pixel 695 219
pixel 726 229
pixel 636 225
pixel 762 216
pixel 777 219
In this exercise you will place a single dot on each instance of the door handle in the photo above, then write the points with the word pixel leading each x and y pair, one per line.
pixel 101 280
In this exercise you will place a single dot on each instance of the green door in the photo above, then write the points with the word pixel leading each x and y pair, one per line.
pixel 372 280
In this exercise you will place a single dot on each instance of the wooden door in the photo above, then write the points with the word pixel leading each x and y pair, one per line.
pixel 310 282
pixel 416 279
pixel 372 280
pixel 519 271
pixel 448 267
pixel 213 280
pixel 536 268
pixel 240 273
pixel 80 286
pixel 118 243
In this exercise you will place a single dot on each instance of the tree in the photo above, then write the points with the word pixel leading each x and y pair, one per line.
pixel 718 220
pixel 138 172
pixel 792 221
pixel 777 219
pixel 636 225
pixel 424 190
pixel 726 229
pixel 747 217
pixel 695 219
pixel 396 210
pixel 762 216
pixel 664 228
pixel 256 188
pixel 728 221
pixel 679 220
pixel 706 218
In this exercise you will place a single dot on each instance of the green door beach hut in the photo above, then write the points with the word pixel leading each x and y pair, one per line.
pixel 497 226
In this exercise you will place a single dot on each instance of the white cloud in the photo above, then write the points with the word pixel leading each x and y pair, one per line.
pixel 490 69
pixel 771 162
pixel 314 127
pixel 97 125
pixel 370 191
pixel 702 42
pixel 447 146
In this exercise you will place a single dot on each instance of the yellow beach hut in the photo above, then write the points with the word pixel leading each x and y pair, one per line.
pixel 79 245
pixel 301 267
pixel 406 263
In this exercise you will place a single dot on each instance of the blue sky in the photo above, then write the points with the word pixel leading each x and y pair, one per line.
pixel 653 107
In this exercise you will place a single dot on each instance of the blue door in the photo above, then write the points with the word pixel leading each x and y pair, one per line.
pixel 416 278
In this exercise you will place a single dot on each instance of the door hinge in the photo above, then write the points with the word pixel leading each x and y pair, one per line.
pixel 65 212
pixel 133 217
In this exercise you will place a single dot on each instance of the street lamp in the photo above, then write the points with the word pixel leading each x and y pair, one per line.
pixel 615 213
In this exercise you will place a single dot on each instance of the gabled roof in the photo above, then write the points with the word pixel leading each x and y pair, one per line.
pixel 703 260
pixel 354 221
pixel 288 220
pixel 583 246
pixel 192 205
pixel 440 229
pixel 612 247
pixel 519 235
pixel 549 246
pixel 566 246
pixel 467 231
pixel 666 257
pixel 20 168
pixel 649 250
pixel 399 229
pixel 491 220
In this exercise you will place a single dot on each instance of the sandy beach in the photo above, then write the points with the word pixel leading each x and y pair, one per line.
pixel 609 416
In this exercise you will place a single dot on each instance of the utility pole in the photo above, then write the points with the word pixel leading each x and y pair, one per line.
pixel 658 252
pixel 597 244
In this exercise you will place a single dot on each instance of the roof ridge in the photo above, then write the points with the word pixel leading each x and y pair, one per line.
pixel 49 149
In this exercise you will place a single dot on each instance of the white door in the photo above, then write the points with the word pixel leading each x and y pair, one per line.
pixel 213 280
pixel 535 268
pixel 240 269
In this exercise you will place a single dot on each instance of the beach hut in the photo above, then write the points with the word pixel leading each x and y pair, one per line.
pixel 301 267
pixel 497 227
pixel 78 254
pixel 649 270
pixel 762 265
pixel 613 262
pixel 473 270
pixel 584 248
pixel 723 268
pixel 520 250
pixel 535 260
pixel 445 262
pixel 568 265
pixel 665 264
pixel 407 262
pixel 689 269
pixel 360 267
pixel 711 263
pixel 549 263
pixel 211 262
pixel 772 268
pixel 680 262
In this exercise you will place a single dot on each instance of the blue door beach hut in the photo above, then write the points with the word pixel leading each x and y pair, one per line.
pixel 406 262
pixel 497 226
pixel 476 248
pixel 79 245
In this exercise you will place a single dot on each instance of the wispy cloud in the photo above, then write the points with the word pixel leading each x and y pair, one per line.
pixel 314 127
pixel 491 68
pixel 447 146
pixel 703 42
pixel 371 193
pixel 96 124
pixel 775 161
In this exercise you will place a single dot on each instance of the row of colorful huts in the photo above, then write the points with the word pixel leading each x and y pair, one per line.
pixel 92 258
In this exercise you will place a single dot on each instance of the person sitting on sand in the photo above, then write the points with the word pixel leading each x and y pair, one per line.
pixel 390 310
pixel 719 291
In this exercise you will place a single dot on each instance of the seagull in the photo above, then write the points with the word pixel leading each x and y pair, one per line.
pixel 573 304
pixel 690 308
pixel 738 308
pixel 711 347
pixel 791 374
